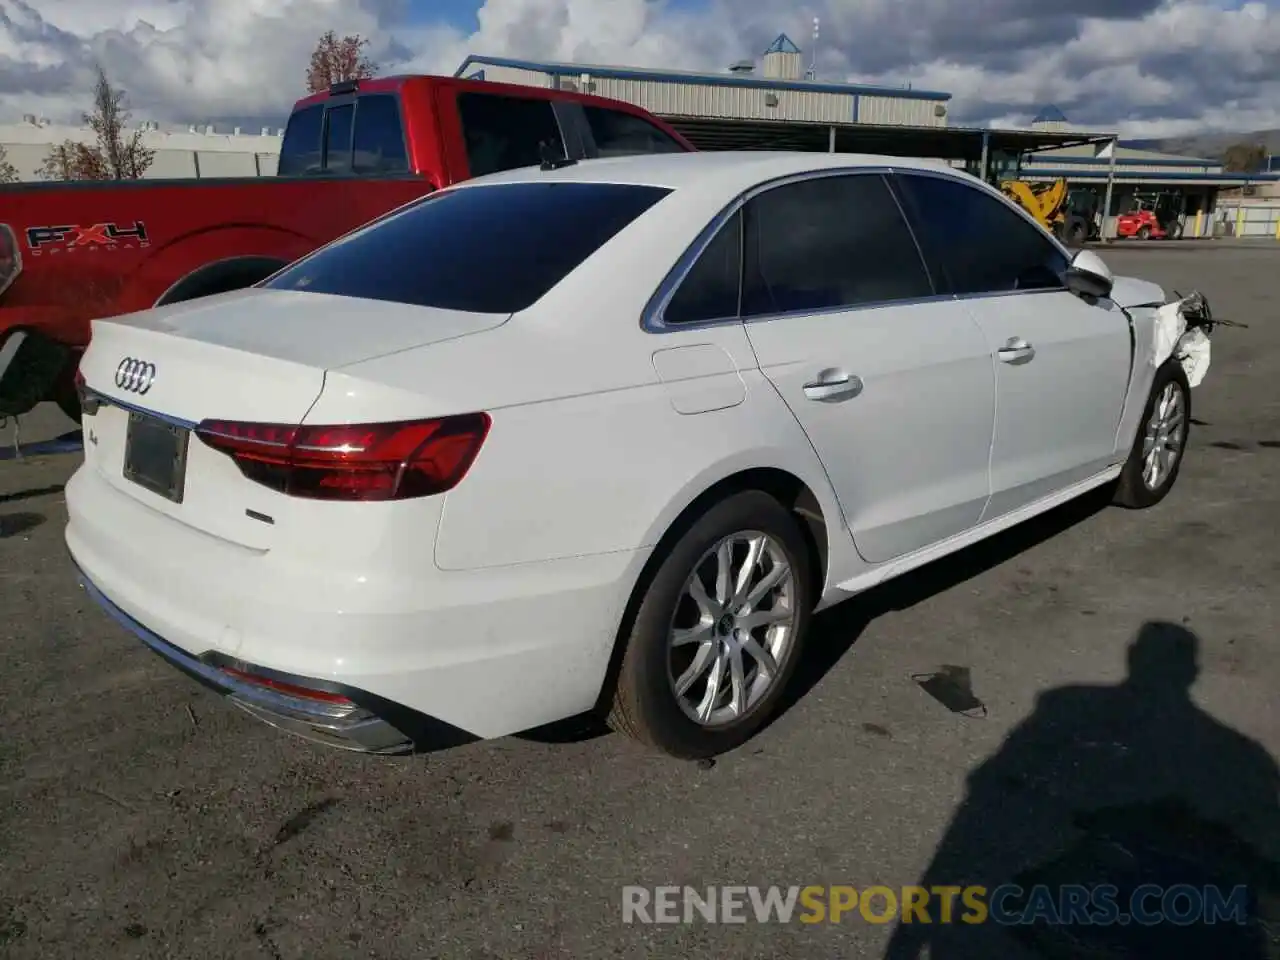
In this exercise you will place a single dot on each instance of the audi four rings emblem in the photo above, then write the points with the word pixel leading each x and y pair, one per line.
pixel 135 375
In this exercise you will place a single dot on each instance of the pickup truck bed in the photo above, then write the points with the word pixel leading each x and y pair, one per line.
pixel 73 252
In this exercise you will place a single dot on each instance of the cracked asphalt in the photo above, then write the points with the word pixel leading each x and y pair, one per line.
pixel 1117 673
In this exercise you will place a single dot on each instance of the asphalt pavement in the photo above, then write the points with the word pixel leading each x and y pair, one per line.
pixel 1097 681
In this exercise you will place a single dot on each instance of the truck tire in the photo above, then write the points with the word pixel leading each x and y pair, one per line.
pixel 662 650
pixel 1076 232
pixel 221 276
pixel 1161 439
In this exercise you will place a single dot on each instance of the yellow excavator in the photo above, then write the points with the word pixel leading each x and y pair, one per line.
pixel 1048 203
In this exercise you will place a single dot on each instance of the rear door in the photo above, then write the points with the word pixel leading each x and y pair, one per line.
pixel 1062 365
pixel 893 385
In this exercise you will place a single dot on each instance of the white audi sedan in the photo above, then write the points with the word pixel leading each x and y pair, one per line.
pixel 600 438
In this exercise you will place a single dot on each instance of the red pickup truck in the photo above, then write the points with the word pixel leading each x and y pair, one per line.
pixel 72 252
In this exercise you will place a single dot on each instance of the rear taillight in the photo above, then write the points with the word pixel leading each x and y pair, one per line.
pixel 372 461
pixel 10 257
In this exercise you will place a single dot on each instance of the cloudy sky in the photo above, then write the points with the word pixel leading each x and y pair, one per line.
pixel 1146 67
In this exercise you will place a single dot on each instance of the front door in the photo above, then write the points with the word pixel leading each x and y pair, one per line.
pixel 1062 365
pixel 893 385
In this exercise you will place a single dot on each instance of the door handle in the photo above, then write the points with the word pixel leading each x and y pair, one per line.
pixel 1016 351
pixel 833 386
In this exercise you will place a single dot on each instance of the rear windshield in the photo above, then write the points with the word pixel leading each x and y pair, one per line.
pixel 484 249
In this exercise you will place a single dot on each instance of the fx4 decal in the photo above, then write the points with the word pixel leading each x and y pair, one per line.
pixel 73 238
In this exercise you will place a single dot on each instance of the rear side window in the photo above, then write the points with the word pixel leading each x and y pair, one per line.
pixel 337 149
pixel 828 243
pixel 982 245
pixel 710 290
pixel 491 249
pixel 379 136
pixel 300 152
pixel 619 134
pixel 503 133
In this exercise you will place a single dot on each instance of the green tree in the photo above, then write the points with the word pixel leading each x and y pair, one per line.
pixel 1244 158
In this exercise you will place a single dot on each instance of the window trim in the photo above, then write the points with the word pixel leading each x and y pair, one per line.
pixel 652 318
pixel 979 187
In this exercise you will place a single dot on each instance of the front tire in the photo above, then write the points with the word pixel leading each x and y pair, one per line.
pixel 1152 468
pixel 718 631
pixel 1144 232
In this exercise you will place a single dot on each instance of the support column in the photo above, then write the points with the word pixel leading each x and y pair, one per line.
pixel 1106 236
pixel 986 150
pixel 831 140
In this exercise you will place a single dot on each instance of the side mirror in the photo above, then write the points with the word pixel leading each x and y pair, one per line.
pixel 1089 276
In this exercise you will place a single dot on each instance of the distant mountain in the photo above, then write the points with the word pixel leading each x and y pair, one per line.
pixel 1210 145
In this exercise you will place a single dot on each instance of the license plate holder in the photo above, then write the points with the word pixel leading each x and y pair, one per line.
pixel 155 455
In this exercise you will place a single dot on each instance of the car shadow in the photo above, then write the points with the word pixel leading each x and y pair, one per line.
pixel 834 632
pixel 31 494
pixel 13 524
pixel 1116 822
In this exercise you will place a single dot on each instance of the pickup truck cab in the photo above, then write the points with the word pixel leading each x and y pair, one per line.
pixel 73 252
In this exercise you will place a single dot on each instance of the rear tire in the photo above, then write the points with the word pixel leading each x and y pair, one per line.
pixel 1144 232
pixel 1150 473
pixel 684 637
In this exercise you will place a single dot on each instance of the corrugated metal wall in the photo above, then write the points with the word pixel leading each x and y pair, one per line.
pixel 711 101
pixel 530 78
pixel 899 110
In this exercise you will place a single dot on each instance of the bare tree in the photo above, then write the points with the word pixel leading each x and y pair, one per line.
pixel 117 154
pixel 8 172
pixel 71 160
pixel 335 60
pixel 125 155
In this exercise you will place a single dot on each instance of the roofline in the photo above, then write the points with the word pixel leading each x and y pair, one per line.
pixel 708 79
pixel 1132 161
pixel 1226 179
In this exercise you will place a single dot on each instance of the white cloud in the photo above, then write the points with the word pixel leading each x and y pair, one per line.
pixel 1146 66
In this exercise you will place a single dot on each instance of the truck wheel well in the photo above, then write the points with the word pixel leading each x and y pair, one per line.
pixel 221 276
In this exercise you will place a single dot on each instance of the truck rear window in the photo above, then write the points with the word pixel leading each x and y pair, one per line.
pixel 484 249
pixel 362 136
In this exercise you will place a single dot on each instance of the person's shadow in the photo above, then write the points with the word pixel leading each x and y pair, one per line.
pixel 1123 785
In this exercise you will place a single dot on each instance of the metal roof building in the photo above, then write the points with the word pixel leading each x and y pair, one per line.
pixel 779 90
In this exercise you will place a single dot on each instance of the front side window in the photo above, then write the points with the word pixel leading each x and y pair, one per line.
pixel 503 133
pixel 300 153
pixel 828 243
pixel 619 134
pixel 981 244
pixel 709 291
pixel 482 249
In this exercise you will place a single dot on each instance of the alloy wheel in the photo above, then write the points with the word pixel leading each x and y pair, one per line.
pixel 733 628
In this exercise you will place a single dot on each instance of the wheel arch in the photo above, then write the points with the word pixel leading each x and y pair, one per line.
pixel 220 276
pixel 796 494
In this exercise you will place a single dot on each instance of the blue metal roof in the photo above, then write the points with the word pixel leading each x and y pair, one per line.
pixel 1050 114
pixel 710 79
pixel 782 44
pixel 1128 161
pixel 1226 179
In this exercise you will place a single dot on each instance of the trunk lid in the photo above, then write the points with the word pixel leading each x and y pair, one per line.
pixel 256 356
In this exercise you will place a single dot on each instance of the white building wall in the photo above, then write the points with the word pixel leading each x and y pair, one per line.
pixel 194 152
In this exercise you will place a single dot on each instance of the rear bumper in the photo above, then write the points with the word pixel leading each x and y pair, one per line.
pixel 364 724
